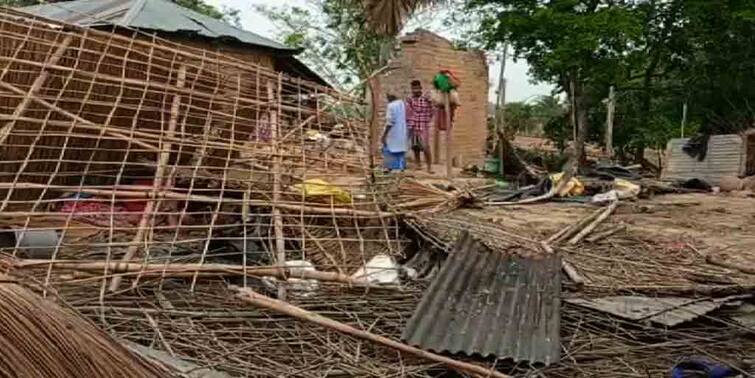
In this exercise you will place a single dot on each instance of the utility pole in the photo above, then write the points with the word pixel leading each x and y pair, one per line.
pixel 500 120
pixel 684 117
pixel 609 122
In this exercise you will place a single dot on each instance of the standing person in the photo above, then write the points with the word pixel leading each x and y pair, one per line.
pixel 419 110
pixel 395 138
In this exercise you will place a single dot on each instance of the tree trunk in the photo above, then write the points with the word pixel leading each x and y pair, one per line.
pixel 581 119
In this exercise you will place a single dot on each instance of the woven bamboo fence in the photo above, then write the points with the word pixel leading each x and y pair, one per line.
pixel 131 147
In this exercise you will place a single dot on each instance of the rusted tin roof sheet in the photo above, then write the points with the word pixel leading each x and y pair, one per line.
pixel 668 311
pixel 488 303
pixel 725 157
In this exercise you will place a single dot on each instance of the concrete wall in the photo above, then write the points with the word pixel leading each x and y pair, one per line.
pixel 422 54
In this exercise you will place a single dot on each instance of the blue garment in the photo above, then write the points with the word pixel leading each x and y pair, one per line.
pixel 711 369
pixel 397 139
pixel 394 161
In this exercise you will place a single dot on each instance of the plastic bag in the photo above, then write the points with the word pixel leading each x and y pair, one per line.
pixel 321 188
pixel 626 189
pixel 573 188
pixel 381 269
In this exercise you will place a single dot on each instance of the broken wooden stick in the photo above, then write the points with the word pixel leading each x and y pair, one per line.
pixel 589 228
pixel 249 296
pixel 606 233
pixel 188 269
pixel 567 267
pixel 572 273
pixel 569 230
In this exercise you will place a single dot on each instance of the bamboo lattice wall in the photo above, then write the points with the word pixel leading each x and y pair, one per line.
pixel 178 151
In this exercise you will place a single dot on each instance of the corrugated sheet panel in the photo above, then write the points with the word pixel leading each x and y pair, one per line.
pixel 487 303
pixel 668 311
pixel 159 15
pixel 725 157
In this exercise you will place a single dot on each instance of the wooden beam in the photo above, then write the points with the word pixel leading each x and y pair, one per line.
pixel 274 96
pixel 609 122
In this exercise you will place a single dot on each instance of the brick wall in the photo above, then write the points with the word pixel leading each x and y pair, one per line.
pixel 422 54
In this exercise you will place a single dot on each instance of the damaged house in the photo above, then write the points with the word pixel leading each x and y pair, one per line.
pixel 170 21
pixel 420 56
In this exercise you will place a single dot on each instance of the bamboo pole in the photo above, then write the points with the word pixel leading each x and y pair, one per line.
pixel 35 87
pixel 158 181
pixel 589 228
pixel 280 242
pixel 188 270
pixel 568 231
pixel 146 193
pixel 249 296
pixel 449 136
pixel 501 110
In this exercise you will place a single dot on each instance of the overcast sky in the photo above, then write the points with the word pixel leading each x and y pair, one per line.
pixel 519 87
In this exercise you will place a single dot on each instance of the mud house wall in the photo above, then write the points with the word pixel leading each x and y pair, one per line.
pixel 422 54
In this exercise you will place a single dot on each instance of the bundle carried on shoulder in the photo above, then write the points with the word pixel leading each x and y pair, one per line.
pixel 445 81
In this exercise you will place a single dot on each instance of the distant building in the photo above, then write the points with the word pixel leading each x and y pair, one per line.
pixel 421 55
pixel 173 22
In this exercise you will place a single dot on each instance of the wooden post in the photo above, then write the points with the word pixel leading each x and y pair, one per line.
pixel 157 183
pixel 609 122
pixel 436 144
pixel 249 296
pixel 449 136
pixel 501 110
pixel 573 111
pixel 684 117
pixel 280 243
pixel 374 89
pixel 35 87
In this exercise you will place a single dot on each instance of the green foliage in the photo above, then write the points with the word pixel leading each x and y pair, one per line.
pixel 658 54
pixel 530 118
pixel 226 14
pixel 560 37
pixel 333 37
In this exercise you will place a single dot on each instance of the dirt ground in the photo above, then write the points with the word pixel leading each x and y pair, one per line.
pixel 722 226
pixel 707 221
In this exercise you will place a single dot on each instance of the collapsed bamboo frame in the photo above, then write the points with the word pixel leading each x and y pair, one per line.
pixel 209 145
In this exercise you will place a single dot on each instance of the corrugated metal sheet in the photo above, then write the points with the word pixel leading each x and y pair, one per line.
pixel 668 311
pixel 725 157
pixel 488 303
pixel 159 15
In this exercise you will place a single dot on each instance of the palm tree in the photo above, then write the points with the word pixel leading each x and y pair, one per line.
pixel 388 17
